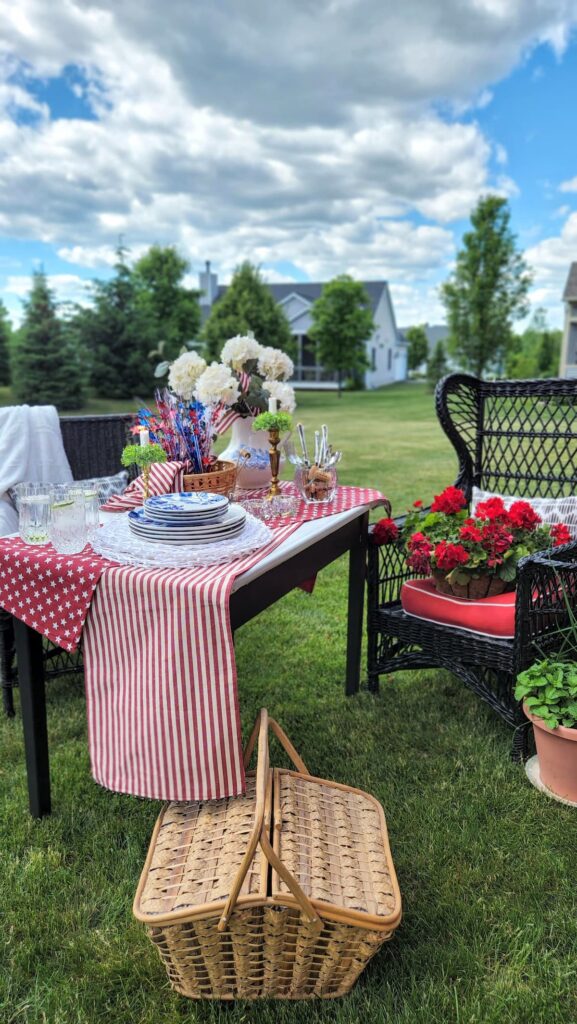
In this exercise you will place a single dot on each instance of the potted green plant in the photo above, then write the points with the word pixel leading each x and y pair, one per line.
pixel 548 690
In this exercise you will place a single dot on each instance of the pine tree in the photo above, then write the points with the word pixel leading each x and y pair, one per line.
pixel 487 290
pixel 342 323
pixel 118 335
pixel 5 340
pixel 45 365
pixel 247 305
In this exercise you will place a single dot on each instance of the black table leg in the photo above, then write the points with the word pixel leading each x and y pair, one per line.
pixel 33 705
pixel 357 577
pixel 7 661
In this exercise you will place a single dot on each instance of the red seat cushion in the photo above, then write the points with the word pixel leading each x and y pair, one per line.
pixel 490 616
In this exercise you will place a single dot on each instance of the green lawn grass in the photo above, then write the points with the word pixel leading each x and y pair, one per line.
pixel 485 863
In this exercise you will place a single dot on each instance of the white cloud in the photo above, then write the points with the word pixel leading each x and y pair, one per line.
pixel 568 186
pixel 551 259
pixel 311 138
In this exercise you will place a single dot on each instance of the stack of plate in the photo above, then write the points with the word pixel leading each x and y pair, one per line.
pixel 187 518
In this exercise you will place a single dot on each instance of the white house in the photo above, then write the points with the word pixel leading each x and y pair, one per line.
pixel 386 348
pixel 568 366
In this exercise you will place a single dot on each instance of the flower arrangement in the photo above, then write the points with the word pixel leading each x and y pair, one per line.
pixel 470 555
pixel 182 429
pixel 247 377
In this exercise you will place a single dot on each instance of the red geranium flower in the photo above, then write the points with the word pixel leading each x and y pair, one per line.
pixel 522 516
pixel 448 556
pixel 417 503
pixel 419 557
pixel 560 534
pixel 450 501
pixel 470 532
pixel 385 531
pixel 492 508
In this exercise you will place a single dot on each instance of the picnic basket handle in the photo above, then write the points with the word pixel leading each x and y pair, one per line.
pixel 259 832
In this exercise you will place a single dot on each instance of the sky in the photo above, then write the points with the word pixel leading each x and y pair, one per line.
pixel 312 137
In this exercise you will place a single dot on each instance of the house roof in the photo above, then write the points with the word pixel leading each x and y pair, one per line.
pixel 311 291
pixel 570 293
pixel 434 333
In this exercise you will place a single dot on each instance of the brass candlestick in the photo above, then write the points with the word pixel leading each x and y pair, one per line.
pixel 146 478
pixel 274 456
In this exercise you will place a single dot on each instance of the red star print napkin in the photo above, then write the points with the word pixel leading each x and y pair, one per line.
pixel 48 591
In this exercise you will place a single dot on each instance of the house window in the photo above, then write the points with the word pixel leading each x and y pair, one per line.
pixel 389 358
pixel 373 359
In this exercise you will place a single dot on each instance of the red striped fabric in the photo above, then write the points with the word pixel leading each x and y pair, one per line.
pixel 163 717
pixel 164 477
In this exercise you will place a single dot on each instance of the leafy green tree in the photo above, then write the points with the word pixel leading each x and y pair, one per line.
pixel 536 352
pixel 247 305
pixel 46 369
pixel 172 310
pixel 436 365
pixel 342 323
pixel 118 335
pixel 5 341
pixel 418 347
pixel 487 290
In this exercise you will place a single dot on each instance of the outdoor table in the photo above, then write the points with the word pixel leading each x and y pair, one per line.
pixel 309 549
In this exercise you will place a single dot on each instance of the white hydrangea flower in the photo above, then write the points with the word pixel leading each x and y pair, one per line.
pixel 239 350
pixel 184 373
pixel 282 392
pixel 274 364
pixel 217 384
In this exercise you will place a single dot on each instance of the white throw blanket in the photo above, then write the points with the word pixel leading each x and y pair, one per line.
pixel 31 449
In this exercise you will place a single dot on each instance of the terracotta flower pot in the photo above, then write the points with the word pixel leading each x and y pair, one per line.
pixel 557 752
pixel 484 585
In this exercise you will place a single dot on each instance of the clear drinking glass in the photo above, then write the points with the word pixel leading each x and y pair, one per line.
pixel 68 520
pixel 91 509
pixel 34 501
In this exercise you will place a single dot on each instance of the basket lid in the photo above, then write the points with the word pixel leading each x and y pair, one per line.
pixel 334 840
pixel 194 856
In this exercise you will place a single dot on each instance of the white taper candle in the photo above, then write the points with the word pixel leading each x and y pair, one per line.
pixel 144 436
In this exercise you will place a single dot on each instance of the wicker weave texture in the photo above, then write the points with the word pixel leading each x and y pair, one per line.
pixel 220 480
pixel 303 927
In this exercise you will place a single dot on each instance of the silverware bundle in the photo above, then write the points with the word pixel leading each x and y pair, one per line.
pixel 317 476
pixel 324 458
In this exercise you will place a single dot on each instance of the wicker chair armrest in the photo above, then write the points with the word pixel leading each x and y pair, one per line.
pixel 387 569
pixel 546 585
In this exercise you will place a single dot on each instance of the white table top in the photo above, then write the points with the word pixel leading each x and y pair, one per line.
pixel 307 534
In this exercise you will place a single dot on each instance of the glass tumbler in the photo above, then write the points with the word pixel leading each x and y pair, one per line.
pixel 68 521
pixel 91 510
pixel 34 501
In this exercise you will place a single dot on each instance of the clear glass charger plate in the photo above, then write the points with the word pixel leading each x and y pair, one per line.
pixel 115 540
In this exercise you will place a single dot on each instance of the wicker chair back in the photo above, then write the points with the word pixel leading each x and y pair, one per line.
pixel 512 436
pixel 94 444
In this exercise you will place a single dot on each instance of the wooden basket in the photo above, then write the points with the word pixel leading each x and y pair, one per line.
pixel 227 926
pixel 221 479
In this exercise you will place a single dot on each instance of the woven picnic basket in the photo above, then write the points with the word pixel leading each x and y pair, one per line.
pixel 220 478
pixel 286 892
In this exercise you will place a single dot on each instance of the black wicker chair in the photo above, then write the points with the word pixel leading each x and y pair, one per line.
pixel 511 437
pixel 93 445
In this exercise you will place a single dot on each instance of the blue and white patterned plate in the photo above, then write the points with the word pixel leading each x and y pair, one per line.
pixel 186 504
pixel 230 524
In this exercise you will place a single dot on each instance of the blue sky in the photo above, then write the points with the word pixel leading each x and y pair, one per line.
pixel 355 141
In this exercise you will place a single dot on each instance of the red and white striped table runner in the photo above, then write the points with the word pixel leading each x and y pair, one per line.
pixel 160 671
